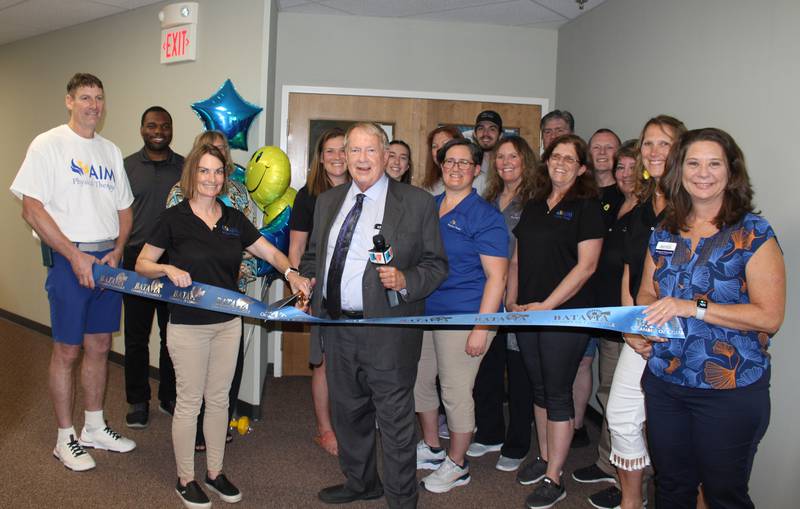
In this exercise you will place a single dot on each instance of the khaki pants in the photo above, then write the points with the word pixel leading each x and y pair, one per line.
pixel 443 354
pixel 205 359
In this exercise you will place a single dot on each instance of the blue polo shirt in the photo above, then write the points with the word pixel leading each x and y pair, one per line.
pixel 473 228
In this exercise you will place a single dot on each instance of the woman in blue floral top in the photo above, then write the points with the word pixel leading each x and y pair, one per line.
pixel 717 266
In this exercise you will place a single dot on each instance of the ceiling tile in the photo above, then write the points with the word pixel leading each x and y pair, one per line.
pixel 48 15
pixel 404 8
pixel 313 8
pixel 127 4
pixel 515 12
pixel 568 8
pixel 10 32
pixel 285 4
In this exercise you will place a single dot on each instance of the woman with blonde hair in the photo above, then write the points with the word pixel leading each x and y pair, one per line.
pixel 625 412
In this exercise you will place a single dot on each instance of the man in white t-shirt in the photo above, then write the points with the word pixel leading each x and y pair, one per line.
pixel 76 197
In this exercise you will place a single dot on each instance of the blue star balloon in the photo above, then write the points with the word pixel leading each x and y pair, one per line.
pixel 238 173
pixel 228 112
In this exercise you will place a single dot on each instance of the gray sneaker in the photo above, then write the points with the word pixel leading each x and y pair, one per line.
pixel 476 450
pixel 533 472
pixel 427 459
pixel 446 477
pixel 506 464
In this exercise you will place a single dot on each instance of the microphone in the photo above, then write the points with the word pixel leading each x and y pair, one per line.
pixel 381 254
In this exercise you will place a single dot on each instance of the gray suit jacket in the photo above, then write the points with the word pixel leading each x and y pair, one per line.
pixel 411 226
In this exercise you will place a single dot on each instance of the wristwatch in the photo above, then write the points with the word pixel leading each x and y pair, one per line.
pixel 290 269
pixel 700 310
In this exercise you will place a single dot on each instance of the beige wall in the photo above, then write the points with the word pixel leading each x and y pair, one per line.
pixel 731 64
pixel 123 50
pixel 404 54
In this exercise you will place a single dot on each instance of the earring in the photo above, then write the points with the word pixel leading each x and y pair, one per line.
pixel 645 175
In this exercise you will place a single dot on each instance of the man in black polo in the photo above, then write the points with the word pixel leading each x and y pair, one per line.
pixel 152 171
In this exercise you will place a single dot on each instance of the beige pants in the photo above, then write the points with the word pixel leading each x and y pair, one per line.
pixel 205 359
pixel 443 354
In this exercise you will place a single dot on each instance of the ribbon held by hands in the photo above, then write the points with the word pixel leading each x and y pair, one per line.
pixel 626 319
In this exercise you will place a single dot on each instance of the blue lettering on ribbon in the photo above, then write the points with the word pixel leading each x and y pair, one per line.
pixel 628 319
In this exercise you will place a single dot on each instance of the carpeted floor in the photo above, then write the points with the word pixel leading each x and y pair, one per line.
pixel 275 466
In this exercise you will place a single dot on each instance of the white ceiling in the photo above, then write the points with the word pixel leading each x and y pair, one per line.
pixel 20 19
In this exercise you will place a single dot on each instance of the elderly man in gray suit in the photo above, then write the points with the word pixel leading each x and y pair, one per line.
pixel 371 370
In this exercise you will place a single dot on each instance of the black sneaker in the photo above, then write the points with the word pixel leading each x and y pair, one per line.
pixel 192 495
pixel 546 495
pixel 138 417
pixel 580 438
pixel 592 474
pixel 609 498
pixel 224 488
pixel 532 472
pixel 167 408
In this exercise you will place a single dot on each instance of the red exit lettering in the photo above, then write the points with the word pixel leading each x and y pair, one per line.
pixel 176 43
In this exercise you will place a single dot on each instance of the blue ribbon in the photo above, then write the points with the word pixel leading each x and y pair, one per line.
pixel 626 319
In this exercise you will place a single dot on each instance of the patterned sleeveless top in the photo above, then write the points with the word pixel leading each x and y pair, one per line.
pixel 711 357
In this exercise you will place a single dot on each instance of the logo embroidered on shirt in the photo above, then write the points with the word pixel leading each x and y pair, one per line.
pixel 566 215
pixel 454 225
pixel 229 231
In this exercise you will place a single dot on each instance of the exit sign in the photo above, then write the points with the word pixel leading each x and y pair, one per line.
pixel 178 44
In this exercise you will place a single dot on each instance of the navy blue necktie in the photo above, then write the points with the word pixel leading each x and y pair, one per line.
pixel 333 299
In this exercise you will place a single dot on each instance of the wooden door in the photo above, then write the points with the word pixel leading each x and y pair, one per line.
pixel 411 119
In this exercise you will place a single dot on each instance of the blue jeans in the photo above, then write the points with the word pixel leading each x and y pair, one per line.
pixel 704 436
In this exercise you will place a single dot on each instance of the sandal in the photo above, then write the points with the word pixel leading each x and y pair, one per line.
pixel 327 440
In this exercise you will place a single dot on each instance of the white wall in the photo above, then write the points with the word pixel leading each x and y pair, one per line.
pixel 731 64
pixel 123 50
pixel 400 54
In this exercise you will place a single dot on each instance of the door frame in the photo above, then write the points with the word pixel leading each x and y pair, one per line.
pixel 276 341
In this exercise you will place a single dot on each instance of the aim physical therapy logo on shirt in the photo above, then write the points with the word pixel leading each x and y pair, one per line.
pixel 566 215
pixel 91 175
pixel 454 225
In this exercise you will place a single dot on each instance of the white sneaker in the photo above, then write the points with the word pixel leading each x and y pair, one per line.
pixel 507 464
pixel 446 477
pixel 427 459
pixel 477 450
pixel 106 439
pixel 73 456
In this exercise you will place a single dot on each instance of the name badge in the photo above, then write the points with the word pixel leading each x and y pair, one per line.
pixel 665 248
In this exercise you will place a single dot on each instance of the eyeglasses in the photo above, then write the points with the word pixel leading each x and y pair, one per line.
pixel 557 158
pixel 463 164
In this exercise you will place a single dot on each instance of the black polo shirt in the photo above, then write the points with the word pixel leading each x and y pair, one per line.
pixel 547 243
pixel 150 182
pixel 643 222
pixel 611 199
pixel 209 256
pixel 302 218
pixel 607 280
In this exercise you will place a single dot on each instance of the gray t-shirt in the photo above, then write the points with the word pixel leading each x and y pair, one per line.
pixel 511 214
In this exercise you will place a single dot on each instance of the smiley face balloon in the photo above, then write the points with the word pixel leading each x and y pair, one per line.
pixel 268 175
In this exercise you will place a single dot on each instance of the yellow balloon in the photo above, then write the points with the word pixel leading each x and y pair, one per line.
pixel 275 208
pixel 242 425
pixel 268 175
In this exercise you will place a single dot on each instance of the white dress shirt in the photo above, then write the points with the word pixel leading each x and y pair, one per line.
pixel 358 255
